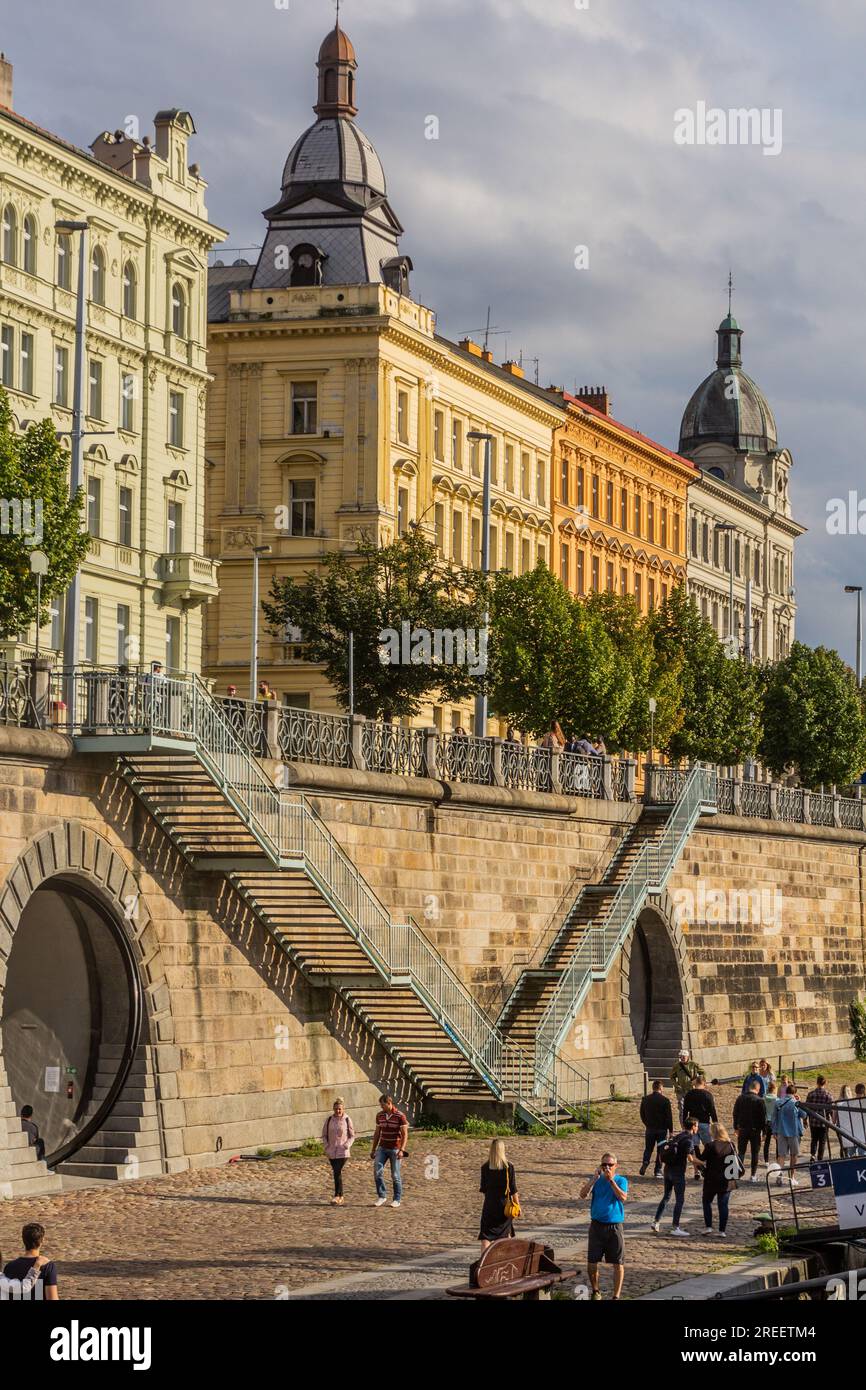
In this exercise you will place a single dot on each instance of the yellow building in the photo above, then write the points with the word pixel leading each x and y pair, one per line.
pixel 337 411
pixel 619 506
pixel 146 576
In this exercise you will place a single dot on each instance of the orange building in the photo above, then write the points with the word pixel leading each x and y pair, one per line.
pixel 619 506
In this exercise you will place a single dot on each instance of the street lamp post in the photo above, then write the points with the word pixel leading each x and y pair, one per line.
pixel 478 435
pixel 258 550
pixel 39 567
pixel 73 593
pixel 858 590
pixel 730 528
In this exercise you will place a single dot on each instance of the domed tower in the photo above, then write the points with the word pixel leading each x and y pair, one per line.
pixel 333 224
pixel 729 430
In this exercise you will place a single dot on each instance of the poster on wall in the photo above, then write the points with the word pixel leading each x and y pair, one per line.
pixel 52 1079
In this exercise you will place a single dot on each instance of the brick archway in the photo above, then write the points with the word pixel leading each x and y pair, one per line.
pixel 659 914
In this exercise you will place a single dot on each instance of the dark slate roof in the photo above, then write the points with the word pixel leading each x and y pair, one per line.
pixel 221 280
pixel 717 413
pixel 334 151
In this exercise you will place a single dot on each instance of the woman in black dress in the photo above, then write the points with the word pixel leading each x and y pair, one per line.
pixel 497 1179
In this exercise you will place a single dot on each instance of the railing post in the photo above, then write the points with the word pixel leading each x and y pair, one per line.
pixel 774 801
pixel 498 775
pixel 271 730
pixel 649 783
pixel 630 775
pixel 431 753
pixel 607 778
pixel 555 776
pixel 357 742
pixel 736 796
pixel 837 809
pixel 38 690
pixel 807 808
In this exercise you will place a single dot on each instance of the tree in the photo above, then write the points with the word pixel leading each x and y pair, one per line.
pixel 37 514
pixel 813 718
pixel 403 591
pixel 721 695
pixel 651 675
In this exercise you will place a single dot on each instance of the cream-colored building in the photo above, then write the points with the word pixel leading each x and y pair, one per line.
pixel 337 411
pixel 146 577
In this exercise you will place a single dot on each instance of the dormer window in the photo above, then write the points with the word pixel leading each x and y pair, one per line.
pixel 307 264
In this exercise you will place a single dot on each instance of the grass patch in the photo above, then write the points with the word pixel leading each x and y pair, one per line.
pixel 311 1148
pixel 472 1127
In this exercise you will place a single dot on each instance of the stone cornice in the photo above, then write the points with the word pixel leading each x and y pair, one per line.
pixel 740 501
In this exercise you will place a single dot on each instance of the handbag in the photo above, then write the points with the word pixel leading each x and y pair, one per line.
pixel 511 1206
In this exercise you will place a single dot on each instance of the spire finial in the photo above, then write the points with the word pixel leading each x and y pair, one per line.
pixel 730 272
pixel 338 14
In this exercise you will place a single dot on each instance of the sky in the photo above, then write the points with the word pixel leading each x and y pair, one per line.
pixel 556 130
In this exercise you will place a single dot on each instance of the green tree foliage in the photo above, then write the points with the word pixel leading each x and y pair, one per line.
pixel 720 698
pixel 38 514
pixel 372 590
pixel 646 673
pixel 813 718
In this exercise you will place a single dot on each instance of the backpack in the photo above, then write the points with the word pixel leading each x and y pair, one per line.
pixel 668 1151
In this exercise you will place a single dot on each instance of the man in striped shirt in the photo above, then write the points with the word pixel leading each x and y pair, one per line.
pixel 389 1143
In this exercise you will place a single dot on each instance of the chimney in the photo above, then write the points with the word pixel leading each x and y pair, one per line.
pixel 5 82
pixel 468 346
pixel 486 355
pixel 596 396
pixel 513 368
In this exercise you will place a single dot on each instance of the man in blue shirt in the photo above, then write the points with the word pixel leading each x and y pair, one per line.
pixel 607 1213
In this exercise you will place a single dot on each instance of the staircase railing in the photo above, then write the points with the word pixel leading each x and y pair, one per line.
pixel 601 942
pixel 288 828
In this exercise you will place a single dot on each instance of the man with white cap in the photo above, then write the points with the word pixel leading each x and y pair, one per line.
pixel 683 1077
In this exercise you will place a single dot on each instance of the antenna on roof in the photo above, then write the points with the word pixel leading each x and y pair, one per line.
pixel 730 289
pixel 487 331
pixel 535 360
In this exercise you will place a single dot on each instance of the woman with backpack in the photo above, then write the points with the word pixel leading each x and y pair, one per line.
pixel 501 1202
pixel 338 1136
pixel 722 1168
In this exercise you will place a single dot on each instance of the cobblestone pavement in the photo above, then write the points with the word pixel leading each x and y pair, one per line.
pixel 266 1230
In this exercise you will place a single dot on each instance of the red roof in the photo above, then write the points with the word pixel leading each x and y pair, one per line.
pixel 635 434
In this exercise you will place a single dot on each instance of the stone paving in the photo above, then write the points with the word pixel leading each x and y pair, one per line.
pixel 257 1230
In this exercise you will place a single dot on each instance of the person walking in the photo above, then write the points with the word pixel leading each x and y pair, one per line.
pixel 677 1153
pixel 607 1213
pixel 755 1076
pixel 771 1100
pixel 767 1072
pixel 338 1136
pixel 698 1104
pixel 683 1076
pixel 33 1239
pixel 719 1163
pixel 658 1122
pixel 821 1101
pixel 499 1186
pixel 788 1129
pixel 749 1118
pixel 389 1146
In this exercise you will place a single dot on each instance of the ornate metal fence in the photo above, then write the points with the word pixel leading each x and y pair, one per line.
pixel 391 748
pixel 16 705
pixel 789 803
pixel 460 758
pixel 306 737
pixel 755 800
pixel 821 809
pixel 580 775
pixel 526 769
pixel 247 720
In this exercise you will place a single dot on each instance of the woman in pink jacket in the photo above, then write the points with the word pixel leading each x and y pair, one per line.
pixel 338 1136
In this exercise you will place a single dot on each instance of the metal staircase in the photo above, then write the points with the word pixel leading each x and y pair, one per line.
pixel 216 803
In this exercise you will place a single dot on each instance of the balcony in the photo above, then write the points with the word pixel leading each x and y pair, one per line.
pixel 191 579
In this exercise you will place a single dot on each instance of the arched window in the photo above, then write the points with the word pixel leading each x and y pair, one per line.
pixel 29 247
pixel 331 85
pixel 306 265
pixel 97 275
pixel 10 235
pixel 130 288
pixel 178 311
pixel 716 472
pixel 64 262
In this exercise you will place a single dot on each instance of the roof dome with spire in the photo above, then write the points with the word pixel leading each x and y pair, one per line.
pixel 728 407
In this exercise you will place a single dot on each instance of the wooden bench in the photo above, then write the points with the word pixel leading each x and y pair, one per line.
pixel 513 1269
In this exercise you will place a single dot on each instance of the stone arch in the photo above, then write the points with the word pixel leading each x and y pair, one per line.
pixel 655 957
pixel 74 854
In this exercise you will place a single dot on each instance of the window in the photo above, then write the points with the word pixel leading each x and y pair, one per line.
pixel 608 503
pixel 494 464
pixel 610 584
pixel 637 516
pixel 638 590
pixel 61 376
pixel 728 552
pixel 439 525
pixel 124 516
pixel 402 511
pixel 456 444
pixel 122 634
pixel 29 244
pixel 676 540
pixel 403 416
pixel 694 537
pixel 64 262
pixel 525 556
pixel 563 480
pixel 97 275
pixel 595 574
pixel 542 553
pixel 439 434
pixel 509 551
pixel 10 235
pixel 623 510
pixel 127 401
pixel 756 557
pixel 172 644
pixel 651 594
pixel 304 403
pixel 581 581
pixel 581 499
pixel 509 467
pixel 540 489
pixel 524 475
pixel 716 547
pixel 7 354
pixel 95 395
pixel 475 458
pixel 178 311
pixel 457 537
pixel 737 557
pixel 715 617
pixel 664 593
pixel 475 542
pixel 651 522
pixel 705 543
pixel 25 364
pixel 174 528
pixel 595 494
pixel 563 563
pixel 302 507
pixel 664 527
pixel 56 614
pixel 94 506
pixel 130 291
pixel 175 419
pixel 494 548
pixel 307 264
pixel 623 581
pixel 91 628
